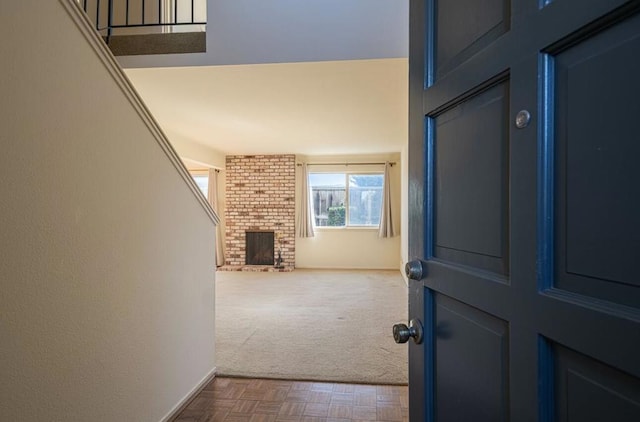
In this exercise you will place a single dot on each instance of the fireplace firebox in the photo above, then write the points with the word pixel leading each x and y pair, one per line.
pixel 259 247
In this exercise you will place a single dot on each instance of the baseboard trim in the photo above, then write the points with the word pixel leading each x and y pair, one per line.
pixel 182 404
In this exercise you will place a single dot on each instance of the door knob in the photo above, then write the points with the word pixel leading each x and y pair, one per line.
pixel 413 270
pixel 402 333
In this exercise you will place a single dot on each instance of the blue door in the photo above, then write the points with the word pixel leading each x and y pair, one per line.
pixel 524 201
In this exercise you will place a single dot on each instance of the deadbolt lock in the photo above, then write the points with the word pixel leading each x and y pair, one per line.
pixel 522 119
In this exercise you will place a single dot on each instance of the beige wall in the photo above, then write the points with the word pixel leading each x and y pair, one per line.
pixel 195 154
pixel 351 247
pixel 107 304
pixel 357 248
pixel 347 249
pixel 199 157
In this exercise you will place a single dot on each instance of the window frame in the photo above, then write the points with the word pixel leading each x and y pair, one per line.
pixel 346 174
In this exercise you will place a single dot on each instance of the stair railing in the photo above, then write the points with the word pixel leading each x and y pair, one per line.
pixel 166 13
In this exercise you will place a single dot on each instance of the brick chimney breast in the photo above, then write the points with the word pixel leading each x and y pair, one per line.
pixel 260 195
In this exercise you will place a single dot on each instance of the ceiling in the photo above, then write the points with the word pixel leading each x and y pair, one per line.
pixel 320 77
pixel 325 108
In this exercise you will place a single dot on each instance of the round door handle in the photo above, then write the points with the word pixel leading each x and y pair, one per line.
pixel 413 270
pixel 402 333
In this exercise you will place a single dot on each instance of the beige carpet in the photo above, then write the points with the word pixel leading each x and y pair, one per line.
pixel 311 325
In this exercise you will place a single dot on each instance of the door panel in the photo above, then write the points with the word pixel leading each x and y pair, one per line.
pixel 587 390
pixel 465 27
pixel 471 183
pixel 598 229
pixel 527 234
pixel 479 379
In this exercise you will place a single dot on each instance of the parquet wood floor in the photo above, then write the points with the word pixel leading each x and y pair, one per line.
pixel 259 400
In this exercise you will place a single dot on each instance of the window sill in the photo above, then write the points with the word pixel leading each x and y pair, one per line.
pixel 348 228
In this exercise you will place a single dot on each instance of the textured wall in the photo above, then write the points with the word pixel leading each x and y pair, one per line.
pixel 260 195
pixel 106 269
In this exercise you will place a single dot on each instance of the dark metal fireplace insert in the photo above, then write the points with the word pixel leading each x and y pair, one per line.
pixel 259 248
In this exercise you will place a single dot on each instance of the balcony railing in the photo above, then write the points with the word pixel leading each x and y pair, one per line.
pixel 128 17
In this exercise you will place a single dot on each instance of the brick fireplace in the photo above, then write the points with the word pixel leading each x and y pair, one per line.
pixel 260 198
pixel 259 248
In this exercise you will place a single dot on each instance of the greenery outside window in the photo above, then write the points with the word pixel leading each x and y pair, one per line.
pixel 346 199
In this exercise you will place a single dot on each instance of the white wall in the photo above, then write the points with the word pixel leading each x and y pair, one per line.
pixel 107 304
pixel 286 31
pixel 351 248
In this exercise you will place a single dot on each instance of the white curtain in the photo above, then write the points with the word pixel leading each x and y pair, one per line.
pixel 386 219
pixel 305 220
pixel 213 200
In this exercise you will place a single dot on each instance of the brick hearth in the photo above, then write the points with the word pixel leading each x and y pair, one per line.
pixel 260 195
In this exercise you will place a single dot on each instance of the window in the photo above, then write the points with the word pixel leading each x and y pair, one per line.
pixel 346 199
pixel 202 180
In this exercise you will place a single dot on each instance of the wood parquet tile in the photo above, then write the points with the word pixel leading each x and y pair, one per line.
pixel 261 400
